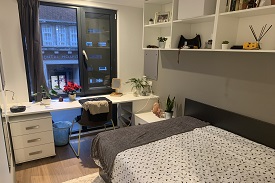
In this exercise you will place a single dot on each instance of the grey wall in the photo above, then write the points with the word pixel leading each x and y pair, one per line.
pixel 240 82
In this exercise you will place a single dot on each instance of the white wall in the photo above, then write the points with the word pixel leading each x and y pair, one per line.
pixel 130 54
pixel 12 52
pixel 240 82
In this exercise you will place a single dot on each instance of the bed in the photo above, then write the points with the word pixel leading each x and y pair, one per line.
pixel 208 144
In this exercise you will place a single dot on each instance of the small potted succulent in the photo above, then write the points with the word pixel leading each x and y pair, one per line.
pixel 162 41
pixel 169 107
pixel 46 95
pixel 225 45
pixel 151 21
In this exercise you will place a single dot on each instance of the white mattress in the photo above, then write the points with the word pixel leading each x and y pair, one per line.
pixel 206 154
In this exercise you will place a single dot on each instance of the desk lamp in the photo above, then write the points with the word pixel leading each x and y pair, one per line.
pixel 116 83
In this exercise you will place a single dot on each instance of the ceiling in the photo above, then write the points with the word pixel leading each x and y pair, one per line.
pixel 132 3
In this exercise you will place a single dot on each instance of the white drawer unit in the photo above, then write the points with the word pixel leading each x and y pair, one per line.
pixel 30 126
pixel 30 140
pixel 32 136
pixel 33 153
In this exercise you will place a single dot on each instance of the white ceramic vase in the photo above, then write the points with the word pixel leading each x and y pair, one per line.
pixel 72 96
pixel 46 101
pixel 168 115
pixel 162 44
pixel 224 46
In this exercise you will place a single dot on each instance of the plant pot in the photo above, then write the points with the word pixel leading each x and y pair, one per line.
pixel 72 96
pixel 224 46
pixel 162 44
pixel 151 22
pixel 136 92
pixel 272 2
pixel 46 101
pixel 168 115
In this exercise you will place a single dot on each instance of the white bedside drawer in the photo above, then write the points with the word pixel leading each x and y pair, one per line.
pixel 30 140
pixel 32 153
pixel 146 117
pixel 31 126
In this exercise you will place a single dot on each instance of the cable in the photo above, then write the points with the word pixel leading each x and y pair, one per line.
pixel 133 114
pixel 12 94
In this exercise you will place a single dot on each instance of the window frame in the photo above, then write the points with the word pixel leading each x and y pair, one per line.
pixel 81 45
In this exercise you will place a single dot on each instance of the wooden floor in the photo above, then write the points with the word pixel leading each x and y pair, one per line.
pixel 64 166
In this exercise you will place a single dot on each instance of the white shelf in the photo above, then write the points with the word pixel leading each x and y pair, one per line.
pixel 159 25
pixel 126 117
pixel 208 18
pixel 231 26
pixel 158 1
pixel 211 50
pixel 265 10
pixel 245 51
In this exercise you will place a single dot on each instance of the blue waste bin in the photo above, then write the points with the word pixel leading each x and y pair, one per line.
pixel 61 130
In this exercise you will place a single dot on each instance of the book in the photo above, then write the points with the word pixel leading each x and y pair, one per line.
pixel 229 5
pixel 233 5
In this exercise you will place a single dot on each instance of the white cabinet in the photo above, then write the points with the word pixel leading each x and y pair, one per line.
pixel 146 117
pixel 32 137
pixel 232 26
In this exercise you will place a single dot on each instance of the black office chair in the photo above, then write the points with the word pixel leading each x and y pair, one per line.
pixel 90 120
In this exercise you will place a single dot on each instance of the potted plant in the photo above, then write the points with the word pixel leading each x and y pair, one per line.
pixel 244 4
pixel 138 85
pixel 225 45
pixel 71 89
pixel 169 107
pixel 162 41
pixel 151 21
pixel 46 95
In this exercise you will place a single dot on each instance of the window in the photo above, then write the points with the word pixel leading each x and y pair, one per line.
pixel 47 35
pixel 67 32
pixel 61 39
pixel 73 36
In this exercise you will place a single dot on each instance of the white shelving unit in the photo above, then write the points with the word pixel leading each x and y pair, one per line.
pixel 232 26
pixel 125 114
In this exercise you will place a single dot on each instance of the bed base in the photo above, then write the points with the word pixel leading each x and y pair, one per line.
pixel 252 129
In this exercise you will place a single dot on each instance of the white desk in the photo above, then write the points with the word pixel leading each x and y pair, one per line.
pixel 34 108
pixel 32 132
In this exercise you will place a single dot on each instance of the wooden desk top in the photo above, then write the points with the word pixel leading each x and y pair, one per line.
pixel 34 108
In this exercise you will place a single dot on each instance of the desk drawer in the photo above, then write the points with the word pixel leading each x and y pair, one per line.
pixel 33 153
pixel 31 126
pixel 31 140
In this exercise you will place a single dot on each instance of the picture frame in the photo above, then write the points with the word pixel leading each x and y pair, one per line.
pixel 161 17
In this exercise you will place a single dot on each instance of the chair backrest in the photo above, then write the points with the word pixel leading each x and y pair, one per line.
pixel 88 119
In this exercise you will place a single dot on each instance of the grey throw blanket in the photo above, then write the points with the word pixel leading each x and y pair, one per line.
pixel 107 145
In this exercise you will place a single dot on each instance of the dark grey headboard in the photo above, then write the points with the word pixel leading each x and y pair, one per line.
pixel 253 129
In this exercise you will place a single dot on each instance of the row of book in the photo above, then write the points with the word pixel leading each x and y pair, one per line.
pixel 234 5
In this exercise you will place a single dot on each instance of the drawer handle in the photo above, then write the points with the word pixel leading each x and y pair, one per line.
pixel 34 140
pixel 34 153
pixel 32 127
